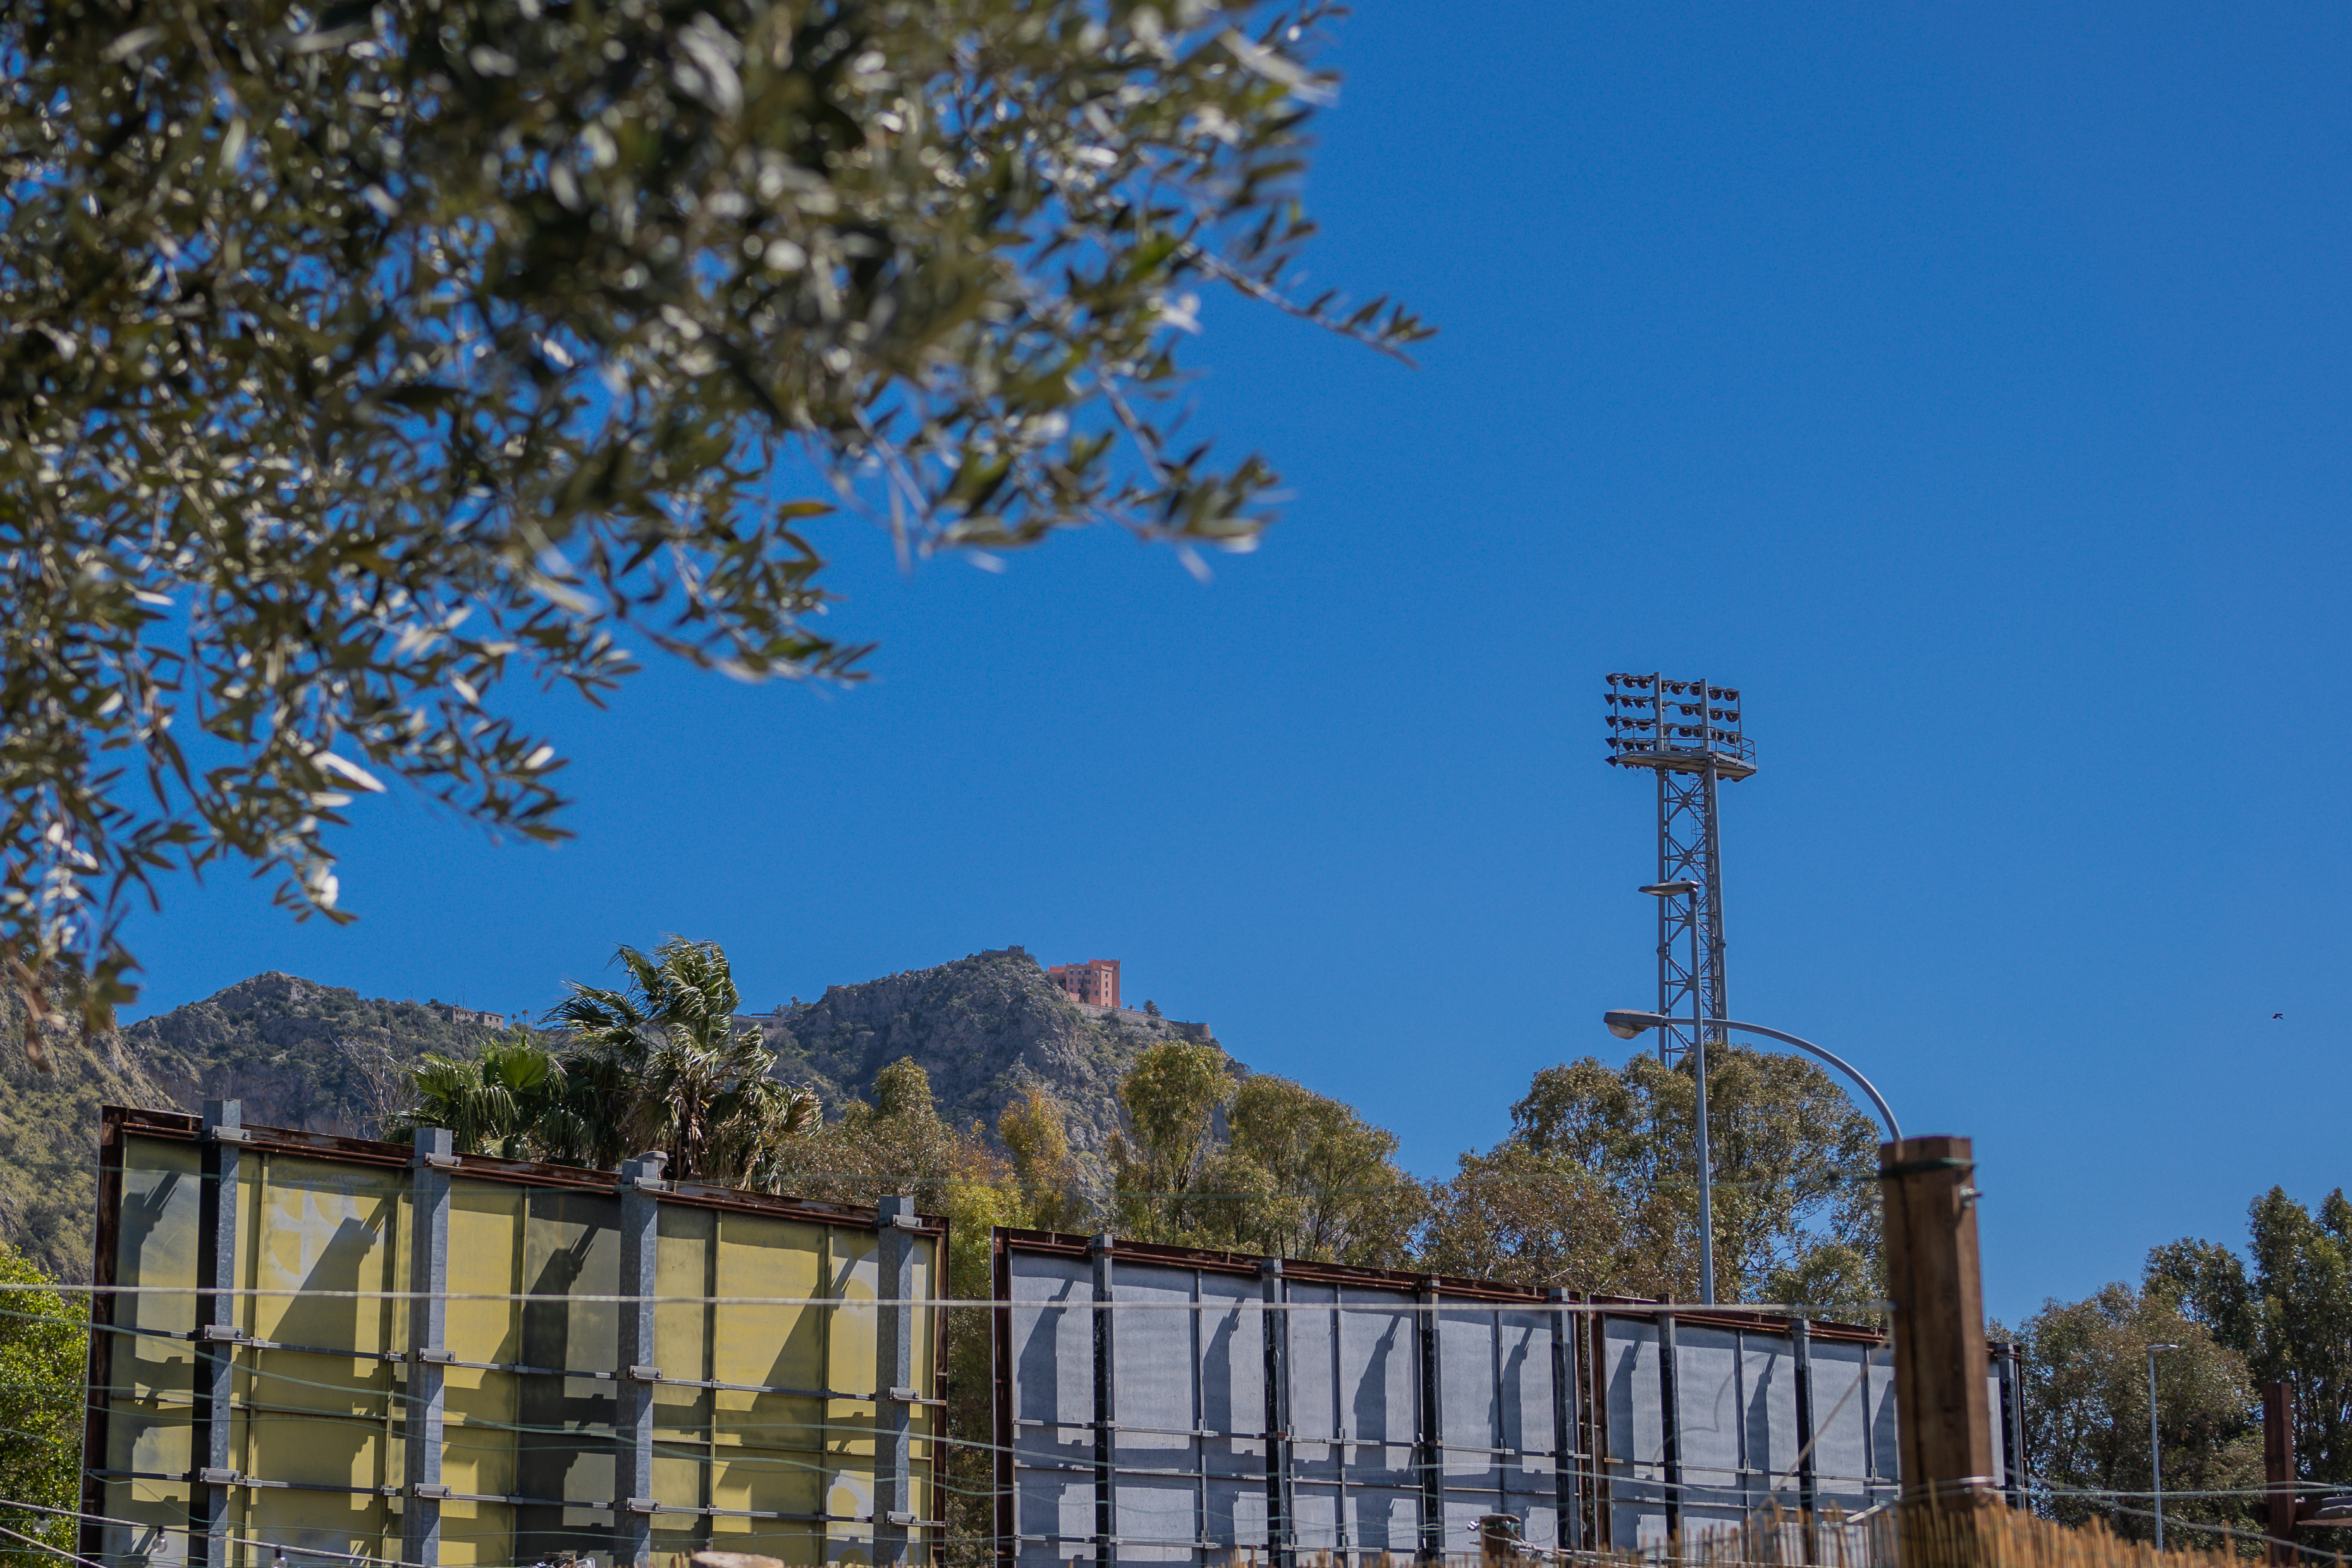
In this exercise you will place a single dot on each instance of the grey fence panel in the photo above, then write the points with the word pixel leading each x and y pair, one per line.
pixel 1053 1411
pixel 1197 1472
pixel 1636 1430
pixel 1997 1403
pixel 1319 1456
pixel 1767 1374
pixel 1885 1445
pixel 1232 1373
pixel 1707 1425
pixel 1528 1399
pixel 1160 1510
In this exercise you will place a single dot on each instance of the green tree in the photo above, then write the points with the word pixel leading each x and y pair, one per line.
pixel 44 1346
pixel 2289 1315
pixel 1596 1189
pixel 1035 1135
pixel 511 1102
pixel 661 1064
pixel 2087 1414
pixel 1541 1219
pixel 362 357
pixel 1259 1164
pixel 899 1143
pixel 1302 1175
pixel 1172 1095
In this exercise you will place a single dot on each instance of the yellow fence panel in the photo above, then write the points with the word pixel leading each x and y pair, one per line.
pixel 764 1317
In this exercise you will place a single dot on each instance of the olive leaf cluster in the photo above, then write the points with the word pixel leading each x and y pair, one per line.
pixel 356 359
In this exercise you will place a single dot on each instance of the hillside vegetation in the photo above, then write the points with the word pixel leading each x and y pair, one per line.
pixel 985 1029
pixel 324 1058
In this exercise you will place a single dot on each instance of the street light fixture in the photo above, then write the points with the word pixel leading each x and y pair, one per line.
pixel 2155 1443
pixel 1626 1025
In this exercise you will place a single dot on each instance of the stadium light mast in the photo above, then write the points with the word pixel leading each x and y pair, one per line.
pixel 1688 733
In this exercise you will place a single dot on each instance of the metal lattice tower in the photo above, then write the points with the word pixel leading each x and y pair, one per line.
pixel 1688 733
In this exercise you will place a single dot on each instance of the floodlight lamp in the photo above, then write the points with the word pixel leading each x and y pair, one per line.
pixel 1670 890
pixel 1626 1026
pixel 2164 1347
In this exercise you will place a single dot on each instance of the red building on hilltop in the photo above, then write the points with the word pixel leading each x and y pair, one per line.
pixel 1095 981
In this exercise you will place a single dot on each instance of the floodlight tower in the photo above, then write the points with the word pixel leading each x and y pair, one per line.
pixel 1688 733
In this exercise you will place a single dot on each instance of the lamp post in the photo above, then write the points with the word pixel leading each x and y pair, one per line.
pixel 1625 1024
pixel 1689 890
pixel 2155 1443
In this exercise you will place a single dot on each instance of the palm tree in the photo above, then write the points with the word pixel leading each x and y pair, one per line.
pixel 661 1064
pixel 508 1101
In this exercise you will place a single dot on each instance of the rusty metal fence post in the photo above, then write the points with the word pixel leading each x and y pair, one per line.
pixel 2278 1470
pixel 1944 1425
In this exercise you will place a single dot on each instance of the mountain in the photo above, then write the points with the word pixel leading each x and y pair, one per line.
pixel 319 1057
pixel 325 1059
pixel 986 1028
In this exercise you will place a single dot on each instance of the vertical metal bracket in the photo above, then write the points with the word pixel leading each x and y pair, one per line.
pixel 1808 1498
pixel 428 1345
pixel 1570 1532
pixel 212 1451
pixel 1106 1406
pixel 894 1371
pixel 1281 1521
pixel 1670 1446
pixel 1431 1457
pixel 2012 1425
pixel 633 1396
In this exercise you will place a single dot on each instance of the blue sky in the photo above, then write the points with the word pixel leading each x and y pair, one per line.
pixel 1968 386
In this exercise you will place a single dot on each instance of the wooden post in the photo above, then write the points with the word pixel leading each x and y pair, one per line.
pixel 2278 1469
pixel 1944 1426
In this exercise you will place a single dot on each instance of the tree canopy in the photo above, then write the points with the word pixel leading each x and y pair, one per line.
pixel 2288 1315
pixel 43 1340
pixel 358 357
pixel 1596 1188
pixel 1257 1164
pixel 657 1066
pixel 2087 1414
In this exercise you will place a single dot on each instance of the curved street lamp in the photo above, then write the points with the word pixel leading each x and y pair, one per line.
pixel 1625 1026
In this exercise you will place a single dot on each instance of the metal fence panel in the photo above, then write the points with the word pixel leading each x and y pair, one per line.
pixel 761 1420
pixel 1636 1430
pixel 1705 1438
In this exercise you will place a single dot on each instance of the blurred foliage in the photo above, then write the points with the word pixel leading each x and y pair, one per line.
pixel 43 1347
pixel 356 357
pixel 2086 1414
pixel 1596 1189
pixel 2289 1315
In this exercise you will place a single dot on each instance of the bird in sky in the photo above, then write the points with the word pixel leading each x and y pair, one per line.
pixel 2278 1015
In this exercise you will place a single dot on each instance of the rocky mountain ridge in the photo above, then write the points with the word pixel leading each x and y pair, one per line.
pixel 985 1027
